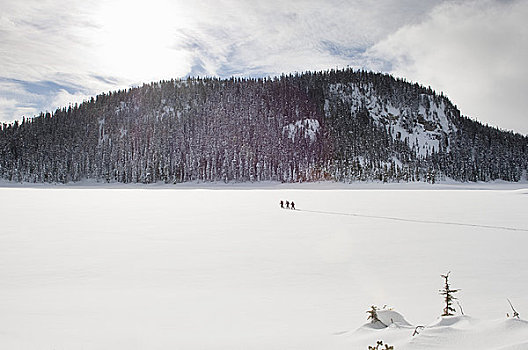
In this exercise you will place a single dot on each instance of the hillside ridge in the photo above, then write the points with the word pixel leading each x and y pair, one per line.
pixel 340 125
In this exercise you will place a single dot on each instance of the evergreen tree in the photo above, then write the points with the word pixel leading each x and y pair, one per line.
pixel 447 292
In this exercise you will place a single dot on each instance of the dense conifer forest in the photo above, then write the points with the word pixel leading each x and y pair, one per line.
pixel 339 125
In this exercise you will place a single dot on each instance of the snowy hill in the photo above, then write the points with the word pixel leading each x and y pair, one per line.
pixel 339 125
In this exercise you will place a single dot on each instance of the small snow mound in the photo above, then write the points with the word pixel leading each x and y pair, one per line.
pixel 392 317
pixel 450 321
pixel 373 325
pixel 513 324
pixel 387 318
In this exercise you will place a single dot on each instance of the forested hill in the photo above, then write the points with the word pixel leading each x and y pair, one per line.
pixel 341 125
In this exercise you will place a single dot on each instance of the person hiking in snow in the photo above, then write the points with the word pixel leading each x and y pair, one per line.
pixel 287 205
pixel 282 204
pixel 292 205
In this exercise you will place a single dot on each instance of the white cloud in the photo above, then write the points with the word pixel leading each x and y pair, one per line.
pixel 474 51
pixel 63 98
pixel 10 109
pixel 247 37
pixel 40 38
pixel 138 41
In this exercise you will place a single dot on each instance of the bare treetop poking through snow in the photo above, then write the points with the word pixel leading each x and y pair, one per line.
pixel 447 292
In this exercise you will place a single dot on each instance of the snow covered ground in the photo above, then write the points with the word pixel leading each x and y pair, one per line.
pixel 220 267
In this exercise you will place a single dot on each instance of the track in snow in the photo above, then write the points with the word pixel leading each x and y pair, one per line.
pixel 415 220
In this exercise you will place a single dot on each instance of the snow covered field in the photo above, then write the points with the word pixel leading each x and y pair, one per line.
pixel 126 268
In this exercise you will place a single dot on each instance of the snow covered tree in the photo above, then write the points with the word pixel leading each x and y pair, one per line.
pixel 373 314
pixel 447 292
pixel 373 317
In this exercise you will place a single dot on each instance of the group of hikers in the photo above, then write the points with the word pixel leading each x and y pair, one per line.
pixel 289 205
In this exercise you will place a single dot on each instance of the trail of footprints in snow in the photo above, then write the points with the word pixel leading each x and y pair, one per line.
pixel 416 220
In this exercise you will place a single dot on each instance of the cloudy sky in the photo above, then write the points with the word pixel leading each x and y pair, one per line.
pixel 53 53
